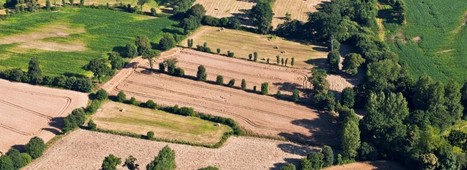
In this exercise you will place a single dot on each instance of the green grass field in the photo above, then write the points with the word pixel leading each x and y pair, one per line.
pixel 165 125
pixel 433 41
pixel 68 39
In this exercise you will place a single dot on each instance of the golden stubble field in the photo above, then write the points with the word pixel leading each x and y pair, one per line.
pixel 27 111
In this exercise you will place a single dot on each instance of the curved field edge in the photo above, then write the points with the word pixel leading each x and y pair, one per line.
pixel 102 31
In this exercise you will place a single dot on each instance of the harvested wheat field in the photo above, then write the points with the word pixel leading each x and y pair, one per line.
pixel 298 9
pixel 128 118
pixel 27 111
pixel 381 165
pixel 258 114
pixel 226 8
pixel 285 79
pixel 243 43
pixel 88 149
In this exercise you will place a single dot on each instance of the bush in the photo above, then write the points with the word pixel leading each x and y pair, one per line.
pixel 220 80
pixel 150 104
pixel 167 42
pixel 72 121
pixel 209 168
pixel 264 88
pixel 165 160
pixel 179 72
pixel 218 50
pixel 328 156
pixel 130 50
pixel 230 54
pixel 296 95
pixel 348 97
pixel 243 85
pixel 250 57
pixel 255 56
pixel 305 164
pixel 288 166
pixel 121 96
pixel 150 135
pixel 278 94
pixel 92 125
pixel 254 88
pixel 6 163
pixel 111 162
pixel 153 12
pixel 161 67
pixel 15 156
pixel 231 83
pixel 201 74
pixel 35 147
pixel 101 94
pixel 26 157
pixel 277 60
pixel 367 152
pixel 133 101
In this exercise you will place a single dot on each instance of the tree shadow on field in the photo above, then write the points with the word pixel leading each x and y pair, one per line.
pixel 287 86
pixel 21 148
pixel 294 161
pixel 172 31
pixel 57 123
pixel 320 49
pixel 323 131
pixel 296 149
pixel 68 74
pixel 318 63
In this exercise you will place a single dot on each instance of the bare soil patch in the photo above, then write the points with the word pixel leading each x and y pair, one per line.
pixel 226 8
pixel 28 111
pixel 381 165
pixel 87 149
pixel 243 43
pixel 37 39
pixel 129 118
pixel 417 39
pixel 299 9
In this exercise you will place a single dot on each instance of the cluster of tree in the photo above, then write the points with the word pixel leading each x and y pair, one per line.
pixel 204 48
pixel 321 98
pixel 78 116
pixel 192 17
pixel 34 76
pixel 172 69
pixel 253 57
pixel 227 22
pixel 165 160
pixel 14 159
pixel 317 160
pixel 261 14
pixel 100 66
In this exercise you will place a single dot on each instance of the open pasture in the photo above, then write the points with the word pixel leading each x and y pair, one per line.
pixel 66 40
pixel 87 149
pixel 27 111
pixel 298 9
pixel 226 8
pixel 243 43
pixel 433 39
pixel 128 118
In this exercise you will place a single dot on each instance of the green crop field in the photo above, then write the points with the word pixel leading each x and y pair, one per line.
pixel 433 41
pixel 66 40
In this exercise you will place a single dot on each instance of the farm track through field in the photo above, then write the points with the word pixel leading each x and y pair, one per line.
pixel 15 130
pixel 26 109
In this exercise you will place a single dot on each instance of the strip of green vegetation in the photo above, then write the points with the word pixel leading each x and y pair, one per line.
pixel 432 41
pixel 99 30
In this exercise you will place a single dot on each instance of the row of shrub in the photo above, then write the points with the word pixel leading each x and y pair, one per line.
pixel 14 159
pixel 184 111
pixel 34 76
pixel 205 48
pixel 78 116
pixel 227 22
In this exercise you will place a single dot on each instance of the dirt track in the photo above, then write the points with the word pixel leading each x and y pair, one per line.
pixel 381 165
pixel 27 111
pixel 258 114
pixel 86 149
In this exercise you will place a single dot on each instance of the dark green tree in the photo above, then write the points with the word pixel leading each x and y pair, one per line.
pixel 350 140
pixel 150 104
pixel 150 135
pixel 201 74
pixel 296 95
pixel 150 55
pixel 18 160
pixel 243 85
pixel 101 94
pixel 111 162
pixel 130 163
pixel 292 62
pixel 351 63
pixel 167 42
pixel 142 44
pixel 209 168
pixel 35 147
pixel 34 71
pixel 261 14
pixel 131 50
pixel 92 125
pixel 288 166
pixel 121 96
pixel 316 160
pixel 180 6
pixel 190 23
pixel 305 164
pixel 328 156
pixel 47 5
pixel 348 97
pixel 231 83
pixel 333 61
pixel 6 163
pixel 165 160
pixel 264 88
pixel 99 67
pixel 197 11
pixel 220 80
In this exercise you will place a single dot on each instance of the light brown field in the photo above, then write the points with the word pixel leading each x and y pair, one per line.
pixel 243 43
pixel 381 165
pixel 39 39
pixel 165 125
pixel 27 111
pixel 87 149
pixel 226 8
pixel 258 114
pixel 299 9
